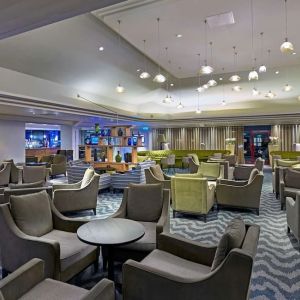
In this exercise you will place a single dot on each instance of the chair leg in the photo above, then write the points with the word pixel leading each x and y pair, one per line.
pixel 288 229
pixel 205 218
pixel 257 211
pixel 104 261
pixel 94 210
pixel 174 214
pixel 4 273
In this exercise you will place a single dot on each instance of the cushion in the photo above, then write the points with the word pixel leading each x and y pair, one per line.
pixel 252 175
pixel 142 158
pixel 37 184
pixel 232 238
pixel 157 172
pixel 87 177
pixel 292 178
pixel 286 163
pixel 32 213
pixel 145 202
pixel 210 169
pixel 217 155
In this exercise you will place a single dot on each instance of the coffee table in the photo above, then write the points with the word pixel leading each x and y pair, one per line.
pixel 110 232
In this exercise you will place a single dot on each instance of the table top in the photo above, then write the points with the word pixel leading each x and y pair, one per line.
pixel 34 164
pixel 110 232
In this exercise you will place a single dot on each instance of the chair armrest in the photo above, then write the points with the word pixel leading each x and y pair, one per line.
pixel 69 186
pixel 281 191
pixel 18 283
pixel 163 224
pixel 60 222
pixel 187 249
pixel 103 290
pixel 233 182
pixel 121 212
pixel 167 177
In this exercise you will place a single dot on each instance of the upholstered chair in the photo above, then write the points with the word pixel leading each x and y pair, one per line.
pixel 30 282
pixel 293 215
pixel 192 195
pixel 211 170
pixel 46 159
pixel 242 172
pixel 155 175
pixel 77 196
pixel 184 269
pixel 289 184
pixel 224 164
pixel 4 173
pixel 32 227
pixel 169 162
pixel 147 204
pixel 193 163
pixel 33 174
pixel 2 196
pixel 58 165
pixel 241 194
pixel 15 172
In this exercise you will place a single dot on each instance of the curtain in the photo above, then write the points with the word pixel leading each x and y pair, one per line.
pixel 288 135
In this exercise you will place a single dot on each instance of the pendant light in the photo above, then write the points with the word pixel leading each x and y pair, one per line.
pixel 270 95
pixel 198 110
pixel 235 77
pixel 205 69
pixel 236 88
pixel 120 89
pixel 168 99
pixel 145 74
pixel 199 89
pixel 287 88
pixel 159 78
pixel 223 103
pixel 180 105
pixel 262 68
pixel 253 75
pixel 286 47
pixel 211 82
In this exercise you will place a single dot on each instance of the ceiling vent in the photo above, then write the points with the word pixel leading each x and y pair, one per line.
pixel 220 20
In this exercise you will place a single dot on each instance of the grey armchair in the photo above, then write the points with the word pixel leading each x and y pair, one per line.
pixel 289 184
pixel 293 215
pixel 15 172
pixel 32 227
pixel 183 269
pixel 77 196
pixel 225 167
pixel 242 172
pixel 58 165
pixel 241 194
pixel 34 174
pixel 147 204
pixel 29 282
pixel 4 173
pixel 169 162
pixel 155 175
pixel 193 163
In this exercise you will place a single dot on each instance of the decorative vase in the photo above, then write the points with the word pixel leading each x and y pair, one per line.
pixel 118 157
pixel 120 132
pixel 97 128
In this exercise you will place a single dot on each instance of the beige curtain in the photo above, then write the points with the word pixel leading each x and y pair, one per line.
pixel 288 135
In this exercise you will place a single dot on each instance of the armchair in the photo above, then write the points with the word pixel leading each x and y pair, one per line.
pixel 29 282
pixel 58 165
pixel 184 269
pixel 4 173
pixel 168 161
pixel 15 172
pixel 155 175
pixel 224 164
pixel 241 194
pixel 289 184
pixel 77 196
pixel 32 227
pixel 193 163
pixel 192 195
pixel 242 172
pixel 33 174
pixel 293 215
pixel 147 204
pixel 211 170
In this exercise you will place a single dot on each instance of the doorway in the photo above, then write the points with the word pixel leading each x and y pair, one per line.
pixel 256 140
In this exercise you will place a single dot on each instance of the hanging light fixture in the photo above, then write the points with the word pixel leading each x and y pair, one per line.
pixel 206 69
pixel 235 77
pixel 253 75
pixel 205 86
pixel 199 89
pixel 255 91
pixel 145 74
pixel 286 47
pixel 270 95
pixel 120 89
pixel 262 68
pixel 223 103
pixel 236 88
pixel 168 99
pixel 159 78
pixel 287 88
pixel 211 82
pixel 180 105
pixel 198 110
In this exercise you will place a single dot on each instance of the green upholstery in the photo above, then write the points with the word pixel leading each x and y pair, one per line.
pixel 286 154
pixel 211 170
pixel 286 163
pixel 203 155
pixel 192 175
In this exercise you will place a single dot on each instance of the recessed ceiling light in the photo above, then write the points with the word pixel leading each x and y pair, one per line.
pixel 277 72
pixel 138 70
pixel 171 84
pixel 294 53
pixel 178 35
pixel 220 78
pixel 101 48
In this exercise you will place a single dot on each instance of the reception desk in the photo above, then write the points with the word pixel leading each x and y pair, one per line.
pixel 40 152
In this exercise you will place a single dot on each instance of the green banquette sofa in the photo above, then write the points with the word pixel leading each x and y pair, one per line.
pixel 157 155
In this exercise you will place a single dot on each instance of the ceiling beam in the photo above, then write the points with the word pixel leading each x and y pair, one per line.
pixel 18 16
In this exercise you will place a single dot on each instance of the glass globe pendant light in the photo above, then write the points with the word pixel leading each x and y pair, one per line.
pixel 198 110
pixel 205 69
pixel 270 95
pixel 180 105
pixel 286 47
pixel 145 74
pixel 262 68
pixel 235 77
pixel 287 88
pixel 119 89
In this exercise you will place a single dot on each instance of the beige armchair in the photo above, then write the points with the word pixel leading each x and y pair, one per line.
pixel 147 204
pixel 242 172
pixel 58 165
pixel 32 227
pixel 227 172
pixel 15 172
pixel 183 269
pixel 169 162
pixel 29 282
pixel 155 175
pixel 241 194
pixel 77 196
pixel 193 163
pixel 4 173
pixel 293 215
pixel 33 174
pixel 289 184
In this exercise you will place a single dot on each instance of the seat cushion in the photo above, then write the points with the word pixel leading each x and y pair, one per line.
pixel 71 248
pixel 87 177
pixel 50 289
pixel 253 174
pixel 144 202
pixel 174 265
pixel 232 238
pixel 32 213
pixel 290 192
pixel 292 178
pixel 157 172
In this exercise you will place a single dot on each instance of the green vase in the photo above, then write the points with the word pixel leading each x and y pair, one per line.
pixel 118 157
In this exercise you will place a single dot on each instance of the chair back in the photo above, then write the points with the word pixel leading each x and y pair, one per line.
pixel 194 158
pixel 259 164
pixel 210 169
pixel 59 159
pixel 5 173
pixel 171 160
pixel 34 173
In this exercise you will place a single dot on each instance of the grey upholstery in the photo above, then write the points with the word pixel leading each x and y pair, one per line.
pixel 193 163
pixel 34 174
pixel 77 196
pixel 155 175
pixel 225 165
pixel 293 215
pixel 242 172
pixel 168 161
pixel 29 283
pixel 181 269
pixel 64 257
pixel 58 165
pixel 149 204
pixel 15 172
pixel 242 194
pixel 4 173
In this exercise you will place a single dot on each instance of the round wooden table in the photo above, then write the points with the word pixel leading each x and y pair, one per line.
pixel 110 232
